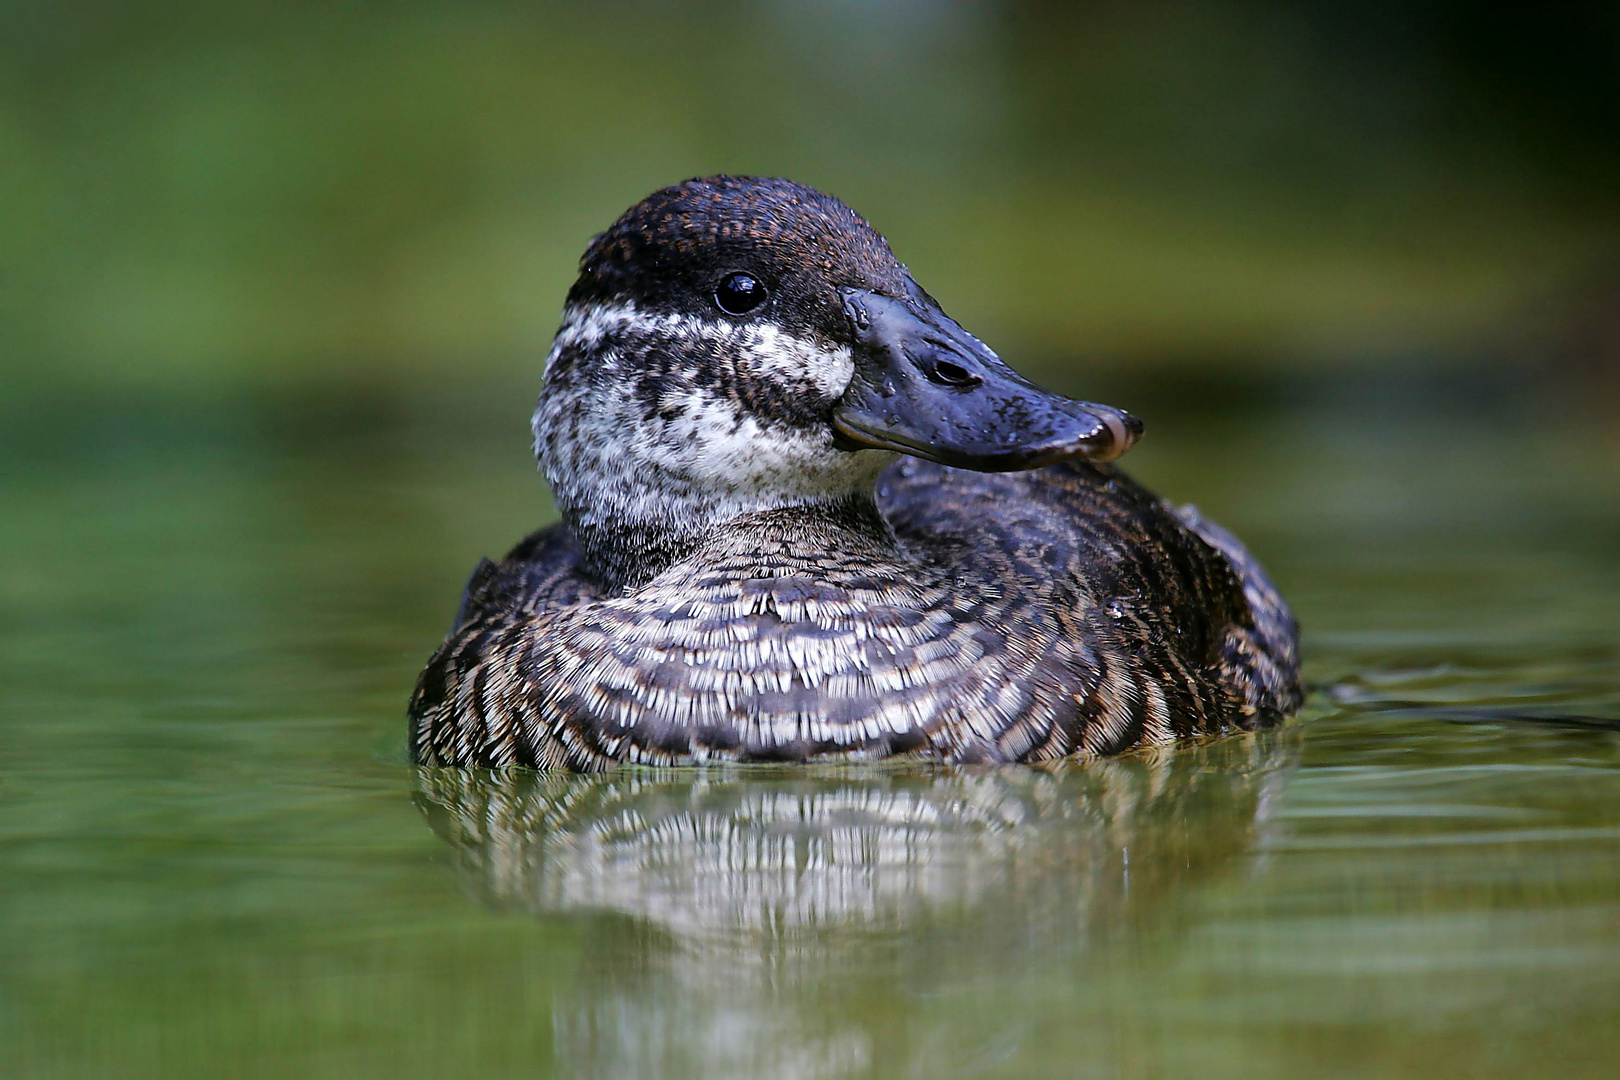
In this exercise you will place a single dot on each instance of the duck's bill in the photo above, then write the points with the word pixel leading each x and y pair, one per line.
pixel 926 387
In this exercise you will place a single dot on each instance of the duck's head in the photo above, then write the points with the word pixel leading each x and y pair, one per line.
pixel 736 344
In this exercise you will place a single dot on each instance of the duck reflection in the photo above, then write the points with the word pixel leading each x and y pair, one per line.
pixel 751 922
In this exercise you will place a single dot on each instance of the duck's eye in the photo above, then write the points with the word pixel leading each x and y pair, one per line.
pixel 739 294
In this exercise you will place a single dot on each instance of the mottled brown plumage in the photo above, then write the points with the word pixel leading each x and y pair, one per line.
pixel 779 606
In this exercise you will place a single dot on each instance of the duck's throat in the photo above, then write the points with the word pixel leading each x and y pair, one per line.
pixel 624 554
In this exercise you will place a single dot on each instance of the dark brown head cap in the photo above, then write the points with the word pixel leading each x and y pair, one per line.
pixel 669 252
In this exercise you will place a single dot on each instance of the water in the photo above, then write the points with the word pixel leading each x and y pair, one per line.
pixel 215 862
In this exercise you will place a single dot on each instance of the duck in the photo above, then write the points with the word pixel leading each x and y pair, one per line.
pixel 807 517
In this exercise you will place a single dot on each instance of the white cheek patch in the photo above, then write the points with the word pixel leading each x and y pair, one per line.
pixel 759 350
pixel 584 328
pixel 712 443
pixel 700 457
pixel 767 352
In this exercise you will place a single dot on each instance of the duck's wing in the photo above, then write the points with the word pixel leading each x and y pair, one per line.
pixel 542 572
pixel 1262 656
pixel 1181 601
pixel 470 698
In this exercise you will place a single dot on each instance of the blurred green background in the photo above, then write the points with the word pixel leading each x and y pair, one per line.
pixel 201 198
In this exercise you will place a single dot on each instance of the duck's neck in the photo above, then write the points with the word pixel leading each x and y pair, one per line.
pixel 625 553
pixel 637 504
pixel 645 460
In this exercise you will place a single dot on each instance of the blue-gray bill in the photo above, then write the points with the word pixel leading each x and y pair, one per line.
pixel 926 387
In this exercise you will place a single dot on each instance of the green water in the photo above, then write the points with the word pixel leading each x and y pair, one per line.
pixel 214 861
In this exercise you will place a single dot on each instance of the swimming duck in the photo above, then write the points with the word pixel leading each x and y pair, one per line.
pixel 807 516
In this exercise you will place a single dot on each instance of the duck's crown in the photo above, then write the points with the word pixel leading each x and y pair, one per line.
pixel 737 344
pixel 669 252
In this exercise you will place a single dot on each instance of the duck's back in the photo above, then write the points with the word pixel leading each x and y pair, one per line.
pixel 1021 616
pixel 1180 589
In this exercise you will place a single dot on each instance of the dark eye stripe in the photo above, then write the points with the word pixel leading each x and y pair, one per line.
pixel 739 294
